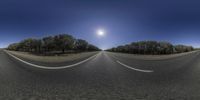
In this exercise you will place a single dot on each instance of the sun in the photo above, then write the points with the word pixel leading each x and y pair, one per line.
pixel 100 32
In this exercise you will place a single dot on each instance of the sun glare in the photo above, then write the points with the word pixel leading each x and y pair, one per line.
pixel 100 32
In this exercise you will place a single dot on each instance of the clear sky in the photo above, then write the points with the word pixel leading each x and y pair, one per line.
pixel 123 21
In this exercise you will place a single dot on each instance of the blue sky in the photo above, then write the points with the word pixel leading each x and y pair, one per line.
pixel 123 20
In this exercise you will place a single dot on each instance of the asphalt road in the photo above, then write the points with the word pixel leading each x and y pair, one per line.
pixel 103 78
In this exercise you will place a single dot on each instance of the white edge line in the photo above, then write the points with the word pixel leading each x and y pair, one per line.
pixel 45 67
pixel 140 70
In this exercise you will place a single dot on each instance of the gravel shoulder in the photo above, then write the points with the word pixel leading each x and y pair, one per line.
pixel 152 57
pixel 65 59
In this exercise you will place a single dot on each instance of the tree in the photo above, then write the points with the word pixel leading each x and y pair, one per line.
pixel 81 45
pixel 51 44
pixel 14 46
pixel 134 47
pixel 183 48
pixel 92 48
pixel 48 43
pixel 27 44
pixel 64 41
pixel 151 47
pixel 38 45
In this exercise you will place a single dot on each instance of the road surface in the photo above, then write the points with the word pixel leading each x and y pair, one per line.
pixel 104 77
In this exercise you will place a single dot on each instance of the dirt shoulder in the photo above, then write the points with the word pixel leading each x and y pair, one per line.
pixel 52 59
pixel 152 57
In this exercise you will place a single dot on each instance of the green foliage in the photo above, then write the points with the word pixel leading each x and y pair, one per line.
pixel 182 48
pixel 81 44
pixel 61 42
pixel 64 41
pixel 151 47
pixel 48 43
pixel 92 48
pixel 14 46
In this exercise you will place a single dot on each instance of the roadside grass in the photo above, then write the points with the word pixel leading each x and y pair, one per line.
pixel 53 59
pixel 151 57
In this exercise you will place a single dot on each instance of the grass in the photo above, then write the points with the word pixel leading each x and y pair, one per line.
pixel 151 57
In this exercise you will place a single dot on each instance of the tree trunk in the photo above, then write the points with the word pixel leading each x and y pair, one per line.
pixel 63 50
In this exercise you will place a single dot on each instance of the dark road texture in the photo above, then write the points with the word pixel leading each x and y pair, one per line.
pixel 103 78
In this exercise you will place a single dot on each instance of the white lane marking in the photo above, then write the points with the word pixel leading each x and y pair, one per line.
pixel 46 67
pixel 140 70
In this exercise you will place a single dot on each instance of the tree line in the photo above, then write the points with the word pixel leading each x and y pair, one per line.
pixel 59 43
pixel 151 47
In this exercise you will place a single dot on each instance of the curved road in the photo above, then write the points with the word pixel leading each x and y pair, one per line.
pixel 103 78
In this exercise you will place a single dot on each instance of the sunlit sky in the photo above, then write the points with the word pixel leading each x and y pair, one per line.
pixel 123 21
